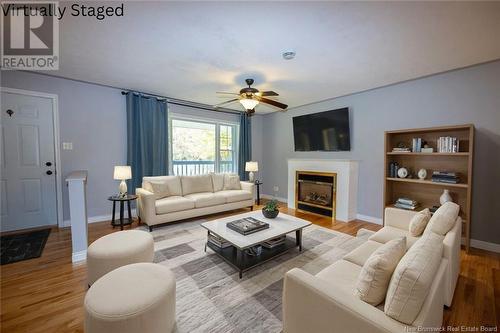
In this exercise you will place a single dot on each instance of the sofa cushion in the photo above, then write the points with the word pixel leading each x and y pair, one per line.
pixel 206 199
pixel 217 181
pixel 443 219
pixel 388 233
pixel 360 254
pixel 375 275
pixel 418 222
pixel 158 188
pixel 342 273
pixel 196 184
pixel 231 181
pixel 173 183
pixel 173 204
pixel 413 278
pixel 235 195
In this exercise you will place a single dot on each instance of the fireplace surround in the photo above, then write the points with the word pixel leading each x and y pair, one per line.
pixel 347 183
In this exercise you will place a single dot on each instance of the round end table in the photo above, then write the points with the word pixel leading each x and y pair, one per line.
pixel 117 198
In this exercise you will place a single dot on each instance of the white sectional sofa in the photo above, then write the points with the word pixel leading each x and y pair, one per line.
pixel 326 302
pixel 166 199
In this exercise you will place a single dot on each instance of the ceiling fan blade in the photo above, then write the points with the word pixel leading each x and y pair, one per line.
pixel 226 102
pixel 268 93
pixel 227 93
pixel 271 102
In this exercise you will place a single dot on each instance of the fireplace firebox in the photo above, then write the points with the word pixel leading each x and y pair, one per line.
pixel 315 192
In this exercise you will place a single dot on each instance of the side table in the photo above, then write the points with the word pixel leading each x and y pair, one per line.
pixel 128 198
pixel 257 184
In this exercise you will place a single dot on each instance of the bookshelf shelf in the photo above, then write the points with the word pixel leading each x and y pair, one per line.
pixel 429 154
pixel 427 182
pixel 427 192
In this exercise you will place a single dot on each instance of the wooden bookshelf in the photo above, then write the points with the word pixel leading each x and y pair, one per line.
pixel 426 192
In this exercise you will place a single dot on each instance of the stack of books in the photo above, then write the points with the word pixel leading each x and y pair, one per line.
pixel 447 144
pixel 218 241
pixel 272 243
pixel 416 144
pixel 405 203
pixel 401 150
pixel 445 177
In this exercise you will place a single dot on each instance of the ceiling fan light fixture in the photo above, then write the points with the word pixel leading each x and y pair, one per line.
pixel 249 103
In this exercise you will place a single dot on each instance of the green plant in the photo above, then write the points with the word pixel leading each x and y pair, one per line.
pixel 271 206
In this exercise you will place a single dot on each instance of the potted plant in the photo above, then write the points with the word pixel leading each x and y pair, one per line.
pixel 270 209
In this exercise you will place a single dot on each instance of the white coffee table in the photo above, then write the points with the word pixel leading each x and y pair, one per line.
pixel 236 256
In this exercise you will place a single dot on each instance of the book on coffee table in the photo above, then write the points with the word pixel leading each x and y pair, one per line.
pixel 247 225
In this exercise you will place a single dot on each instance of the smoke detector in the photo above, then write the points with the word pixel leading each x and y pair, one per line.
pixel 288 55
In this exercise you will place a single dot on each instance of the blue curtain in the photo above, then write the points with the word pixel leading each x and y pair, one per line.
pixel 147 137
pixel 245 149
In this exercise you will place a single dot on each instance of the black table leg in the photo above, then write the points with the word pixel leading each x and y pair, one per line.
pixel 258 194
pixel 298 237
pixel 122 207
pixel 239 255
pixel 129 212
pixel 113 217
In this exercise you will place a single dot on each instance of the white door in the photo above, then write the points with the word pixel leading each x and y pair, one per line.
pixel 28 182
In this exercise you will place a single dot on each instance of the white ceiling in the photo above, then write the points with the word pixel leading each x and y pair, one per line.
pixel 190 50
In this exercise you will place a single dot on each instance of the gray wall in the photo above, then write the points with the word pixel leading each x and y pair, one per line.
pixel 92 117
pixel 470 95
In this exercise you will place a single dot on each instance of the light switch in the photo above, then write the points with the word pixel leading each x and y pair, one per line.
pixel 276 188
pixel 67 145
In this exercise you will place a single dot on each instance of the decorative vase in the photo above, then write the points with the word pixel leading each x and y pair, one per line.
pixel 270 214
pixel 422 174
pixel 445 197
pixel 402 172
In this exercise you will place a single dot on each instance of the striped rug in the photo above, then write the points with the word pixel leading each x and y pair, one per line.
pixel 210 295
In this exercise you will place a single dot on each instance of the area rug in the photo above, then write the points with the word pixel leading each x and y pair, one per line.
pixel 22 246
pixel 210 295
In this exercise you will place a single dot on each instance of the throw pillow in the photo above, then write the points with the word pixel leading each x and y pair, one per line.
pixel 160 189
pixel 376 272
pixel 217 181
pixel 413 278
pixel 232 182
pixel 443 219
pixel 419 222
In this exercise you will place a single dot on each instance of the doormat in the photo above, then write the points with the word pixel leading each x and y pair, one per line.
pixel 23 246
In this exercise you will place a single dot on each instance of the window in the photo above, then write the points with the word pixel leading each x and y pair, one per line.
pixel 199 147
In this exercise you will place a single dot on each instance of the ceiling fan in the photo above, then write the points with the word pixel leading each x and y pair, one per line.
pixel 250 97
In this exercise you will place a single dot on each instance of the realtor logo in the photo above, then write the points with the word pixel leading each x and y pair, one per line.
pixel 30 35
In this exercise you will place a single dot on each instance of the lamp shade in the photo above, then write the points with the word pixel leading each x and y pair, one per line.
pixel 122 172
pixel 249 103
pixel 252 166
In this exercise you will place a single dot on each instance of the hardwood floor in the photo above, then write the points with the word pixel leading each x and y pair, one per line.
pixel 46 294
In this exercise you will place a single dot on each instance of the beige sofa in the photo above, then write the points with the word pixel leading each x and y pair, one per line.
pixel 326 302
pixel 166 199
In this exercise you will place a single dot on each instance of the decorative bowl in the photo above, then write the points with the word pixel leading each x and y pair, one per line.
pixel 270 214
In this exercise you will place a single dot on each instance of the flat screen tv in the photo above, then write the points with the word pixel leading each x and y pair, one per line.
pixel 323 131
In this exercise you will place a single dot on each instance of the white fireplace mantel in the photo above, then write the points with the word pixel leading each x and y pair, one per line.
pixel 347 182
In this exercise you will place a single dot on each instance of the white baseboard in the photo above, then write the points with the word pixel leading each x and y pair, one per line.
pixel 371 219
pixel 479 244
pixel 99 218
pixel 268 196
pixel 79 256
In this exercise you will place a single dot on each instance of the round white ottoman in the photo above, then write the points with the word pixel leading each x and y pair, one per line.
pixel 137 298
pixel 116 250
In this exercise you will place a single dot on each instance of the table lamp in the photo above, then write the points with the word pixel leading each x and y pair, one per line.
pixel 122 172
pixel 251 167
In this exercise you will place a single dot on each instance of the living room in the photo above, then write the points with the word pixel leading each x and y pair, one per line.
pixel 358 141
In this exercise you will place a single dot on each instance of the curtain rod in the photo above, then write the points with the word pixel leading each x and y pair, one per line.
pixel 185 103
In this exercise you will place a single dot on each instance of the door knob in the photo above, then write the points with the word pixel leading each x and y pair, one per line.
pixel 48 164
pixel 49 172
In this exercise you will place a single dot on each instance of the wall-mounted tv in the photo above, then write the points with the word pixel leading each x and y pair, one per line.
pixel 323 131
